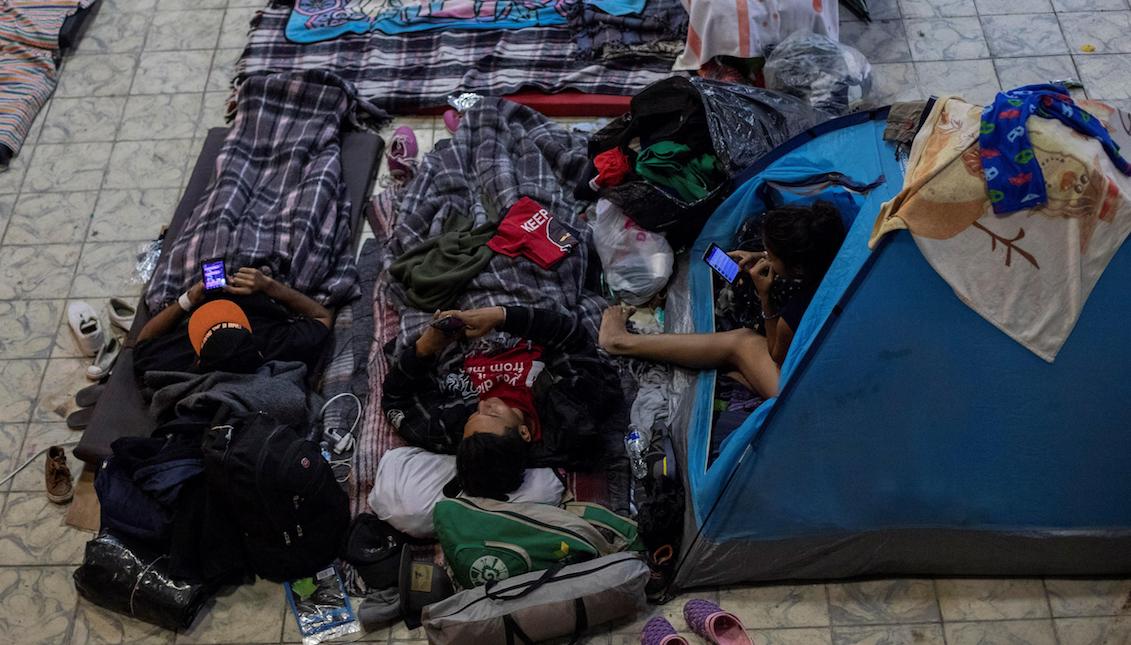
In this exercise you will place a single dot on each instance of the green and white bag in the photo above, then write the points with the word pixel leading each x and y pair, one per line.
pixel 543 605
pixel 486 540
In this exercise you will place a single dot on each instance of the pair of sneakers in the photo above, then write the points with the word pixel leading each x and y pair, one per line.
pixel 91 336
pixel 705 618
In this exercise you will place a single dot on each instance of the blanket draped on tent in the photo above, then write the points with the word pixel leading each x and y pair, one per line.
pixel 278 198
pixel 1030 272
pixel 406 72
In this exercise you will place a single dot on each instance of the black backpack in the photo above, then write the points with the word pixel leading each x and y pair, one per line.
pixel 281 494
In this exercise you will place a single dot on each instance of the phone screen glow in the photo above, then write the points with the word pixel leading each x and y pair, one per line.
pixel 214 275
pixel 723 263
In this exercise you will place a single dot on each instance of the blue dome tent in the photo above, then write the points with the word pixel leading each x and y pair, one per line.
pixel 910 436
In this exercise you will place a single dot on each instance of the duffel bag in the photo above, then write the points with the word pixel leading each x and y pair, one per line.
pixel 486 540
pixel 137 584
pixel 537 606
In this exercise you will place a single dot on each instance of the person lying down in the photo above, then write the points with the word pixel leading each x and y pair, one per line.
pixel 538 394
pixel 801 243
pixel 250 321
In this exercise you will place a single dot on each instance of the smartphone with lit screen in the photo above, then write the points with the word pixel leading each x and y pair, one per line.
pixel 723 264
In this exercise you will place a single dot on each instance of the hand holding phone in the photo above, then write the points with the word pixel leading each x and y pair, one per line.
pixel 214 274
pixel 723 264
pixel 449 325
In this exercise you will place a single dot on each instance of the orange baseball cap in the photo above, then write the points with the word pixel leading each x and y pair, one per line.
pixel 214 315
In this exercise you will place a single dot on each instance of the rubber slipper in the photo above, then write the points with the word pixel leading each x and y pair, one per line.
pixel 714 624
pixel 88 396
pixel 86 327
pixel 105 360
pixel 80 418
pixel 451 120
pixel 401 155
pixel 658 631
pixel 121 313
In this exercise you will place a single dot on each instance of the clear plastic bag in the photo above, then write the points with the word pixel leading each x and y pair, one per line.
pixel 147 255
pixel 637 262
pixel 832 77
pixel 321 606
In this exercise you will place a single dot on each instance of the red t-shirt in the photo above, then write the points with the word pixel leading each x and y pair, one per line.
pixel 531 231
pixel 509 375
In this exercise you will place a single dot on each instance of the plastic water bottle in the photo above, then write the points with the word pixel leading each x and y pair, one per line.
pixel 635 448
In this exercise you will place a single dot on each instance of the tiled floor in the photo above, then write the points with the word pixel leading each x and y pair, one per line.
pixel 108 158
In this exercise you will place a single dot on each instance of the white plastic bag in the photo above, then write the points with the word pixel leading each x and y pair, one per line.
pixel 832 77
pixel 637 262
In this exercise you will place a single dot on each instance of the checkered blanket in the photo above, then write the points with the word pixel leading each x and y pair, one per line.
pixel 278 197
pixel 502 152
pixel 403 73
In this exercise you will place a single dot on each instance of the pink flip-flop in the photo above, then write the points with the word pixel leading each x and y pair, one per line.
pixel 714 624
pixel 658 631
pixel 401 154
pixel 451 120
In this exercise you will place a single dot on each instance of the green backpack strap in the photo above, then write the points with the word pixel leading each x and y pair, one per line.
pixel 625 531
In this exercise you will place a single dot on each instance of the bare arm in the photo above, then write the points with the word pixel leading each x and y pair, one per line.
pixel 168 317
pixel 247 281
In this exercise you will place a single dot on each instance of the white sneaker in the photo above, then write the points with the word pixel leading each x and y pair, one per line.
pixel 121 313
pixel 86 327
pixel 105 360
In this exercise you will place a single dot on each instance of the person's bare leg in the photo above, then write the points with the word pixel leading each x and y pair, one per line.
pixel 739 349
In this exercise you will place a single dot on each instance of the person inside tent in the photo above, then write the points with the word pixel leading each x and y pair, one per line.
pixel 800 243
pixel 252 320
pixel 539 394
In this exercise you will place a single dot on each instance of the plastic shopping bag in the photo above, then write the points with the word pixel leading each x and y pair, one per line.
pixel 637 262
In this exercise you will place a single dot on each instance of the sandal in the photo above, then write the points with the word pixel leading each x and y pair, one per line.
pixel 714 624
pixel 401 155
pixel 658 631
pixel 88 396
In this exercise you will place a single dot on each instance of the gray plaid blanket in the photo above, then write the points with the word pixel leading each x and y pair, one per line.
pixel 278 197
pixel 403 73
pixel 502 152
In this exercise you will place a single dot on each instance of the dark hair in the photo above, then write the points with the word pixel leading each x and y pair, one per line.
pixel 230 350
pixel 805 238
pixel 491 465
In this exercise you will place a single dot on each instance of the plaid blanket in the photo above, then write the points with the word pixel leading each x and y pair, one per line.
pixel 658 31
pixel 278 197
pixel 403 73
pixel 502 152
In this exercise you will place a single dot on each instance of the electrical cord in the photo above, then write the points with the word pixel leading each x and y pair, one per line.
pixel 33 458
pixel 342 442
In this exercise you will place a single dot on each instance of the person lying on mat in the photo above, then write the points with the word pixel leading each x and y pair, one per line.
pixel 252 320
pixel 537 395
pixel 801 243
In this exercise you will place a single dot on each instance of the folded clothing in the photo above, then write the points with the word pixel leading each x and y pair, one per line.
pixel 531 231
